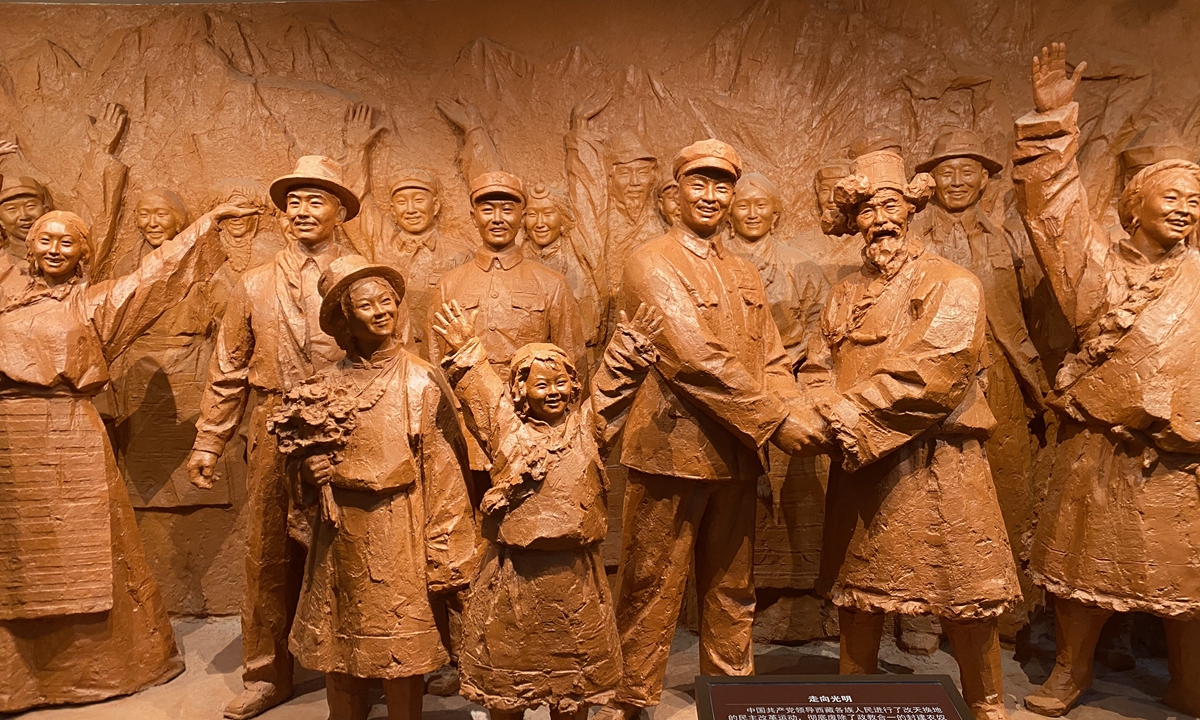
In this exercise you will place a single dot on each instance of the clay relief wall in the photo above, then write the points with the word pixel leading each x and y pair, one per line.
pixel 215 92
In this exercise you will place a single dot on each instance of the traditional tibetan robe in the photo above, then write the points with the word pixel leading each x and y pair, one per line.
pixel 912 522
pixel 81 618
pixel 1120 526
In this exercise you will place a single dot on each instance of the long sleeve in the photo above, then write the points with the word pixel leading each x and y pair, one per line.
pixel 100 188
pixel 366 231
pixel 123 309
pixel 478 154
pixel 566 326
pixel 703 367
pixel 918 384
pixel 450 534
pixel 228 386
pixel 622 369
pixel 587 186
pixel 1053 204
pixel 487 409
pixel 811 289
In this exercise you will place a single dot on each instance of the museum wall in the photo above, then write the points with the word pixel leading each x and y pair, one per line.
pixel 241 91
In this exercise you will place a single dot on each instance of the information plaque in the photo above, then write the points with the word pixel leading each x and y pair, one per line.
pixel 830 697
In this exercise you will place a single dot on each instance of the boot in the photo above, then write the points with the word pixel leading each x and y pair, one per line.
pixel 255 699
pixel 976 647
pixel 443 682
pixel 1183 660
pixel 617 711
pixel 1077 629
pixel 861 633
pixel 918 634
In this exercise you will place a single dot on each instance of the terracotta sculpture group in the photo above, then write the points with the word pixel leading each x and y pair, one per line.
pixel 427 418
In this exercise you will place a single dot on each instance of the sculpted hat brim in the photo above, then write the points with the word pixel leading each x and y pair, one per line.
pixel 282 186
pixel 992 167
pixel 331 300
pixel 13 187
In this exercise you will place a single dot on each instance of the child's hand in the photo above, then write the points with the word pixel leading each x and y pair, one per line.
pixel 456 327
pixel 642 330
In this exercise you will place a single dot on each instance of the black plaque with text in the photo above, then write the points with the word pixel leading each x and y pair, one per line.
pixel 830 697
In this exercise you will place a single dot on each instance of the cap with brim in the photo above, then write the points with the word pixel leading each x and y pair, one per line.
pixel 1155 143
pixel 315 171
pixel 12 187
pixel 960 144
pixel 418 179
pixel 497 182
pixel 708 154
pixel 336 281
pixel 626 147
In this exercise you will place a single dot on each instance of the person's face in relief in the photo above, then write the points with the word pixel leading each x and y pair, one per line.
pixel 18 214
pixel 312 215
pixel 543 221
pixel 498 219
pixel 704 198
pixel 156 220
pixel 883 222
pixel 1170 208
pixel 959 183
pixel 632 183
pixel 547 391
pixel 753 213
pixel 56 251
pixel 373 310
pixel 415 209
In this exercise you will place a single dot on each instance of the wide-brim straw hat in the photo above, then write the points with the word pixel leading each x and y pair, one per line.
pixel 336 281
pixel 957 144
pixel 315 171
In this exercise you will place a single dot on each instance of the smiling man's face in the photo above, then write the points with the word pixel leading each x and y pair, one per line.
pixel 883 222
pixel 313 214
pixel 498 219
pixel 704 199
pixel 959 182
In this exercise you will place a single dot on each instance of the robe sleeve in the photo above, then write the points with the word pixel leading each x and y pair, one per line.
pixel 450 533
pixel 100 189
pixel 123 309
pixel 228 387
pixel 623 367
pixel 1053 203
pixel 919 384
pixel 487 410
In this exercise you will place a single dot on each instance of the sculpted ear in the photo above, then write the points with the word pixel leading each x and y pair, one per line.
pixel 341 215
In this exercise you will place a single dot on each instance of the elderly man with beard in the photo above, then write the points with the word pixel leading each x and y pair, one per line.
pixel 270 340
pixel 694 443
pixel 898 370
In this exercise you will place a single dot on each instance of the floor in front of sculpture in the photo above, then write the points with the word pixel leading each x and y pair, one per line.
pixel 213 650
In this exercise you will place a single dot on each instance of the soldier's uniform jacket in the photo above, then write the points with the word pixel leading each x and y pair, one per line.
pixel 717 394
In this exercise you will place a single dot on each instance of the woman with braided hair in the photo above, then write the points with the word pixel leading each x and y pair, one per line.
pixel 81 618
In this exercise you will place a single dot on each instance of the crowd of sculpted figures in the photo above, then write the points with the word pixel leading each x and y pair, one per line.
pixel 427 417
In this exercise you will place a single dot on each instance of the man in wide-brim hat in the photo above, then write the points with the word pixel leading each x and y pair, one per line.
pixel 270 340
pixel 957 228
pixel 400 475
pixel 912 524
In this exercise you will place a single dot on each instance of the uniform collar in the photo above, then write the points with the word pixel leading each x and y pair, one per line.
pixel 699 246
pixel 507 259
pixel 299 255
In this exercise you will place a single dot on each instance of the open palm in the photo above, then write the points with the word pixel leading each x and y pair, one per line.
pixel 1052 87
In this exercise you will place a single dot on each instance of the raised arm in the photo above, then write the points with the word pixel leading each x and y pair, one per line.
pixel 123 309
pixel 624 366
pixel 227 388
pixel 449 518
pixel 916 386
pixel 587 182
pixel 1051 197
pixel 101 185
pixel 478 154
pixel 361 132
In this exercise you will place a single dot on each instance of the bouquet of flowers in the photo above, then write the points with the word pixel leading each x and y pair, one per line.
pixel 316 418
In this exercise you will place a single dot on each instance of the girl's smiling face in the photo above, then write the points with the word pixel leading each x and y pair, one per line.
pixel 547 391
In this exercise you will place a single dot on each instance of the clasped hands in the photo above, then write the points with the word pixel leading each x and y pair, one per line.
pixel 804 431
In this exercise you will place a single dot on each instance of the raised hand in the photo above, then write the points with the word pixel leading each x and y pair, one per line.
pixel 456 327
pixel 460 113
pixel 8 147
pixel 583 113
pixel 105 131
pixel 360 128
pixel 645 326
pixel 1052 87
